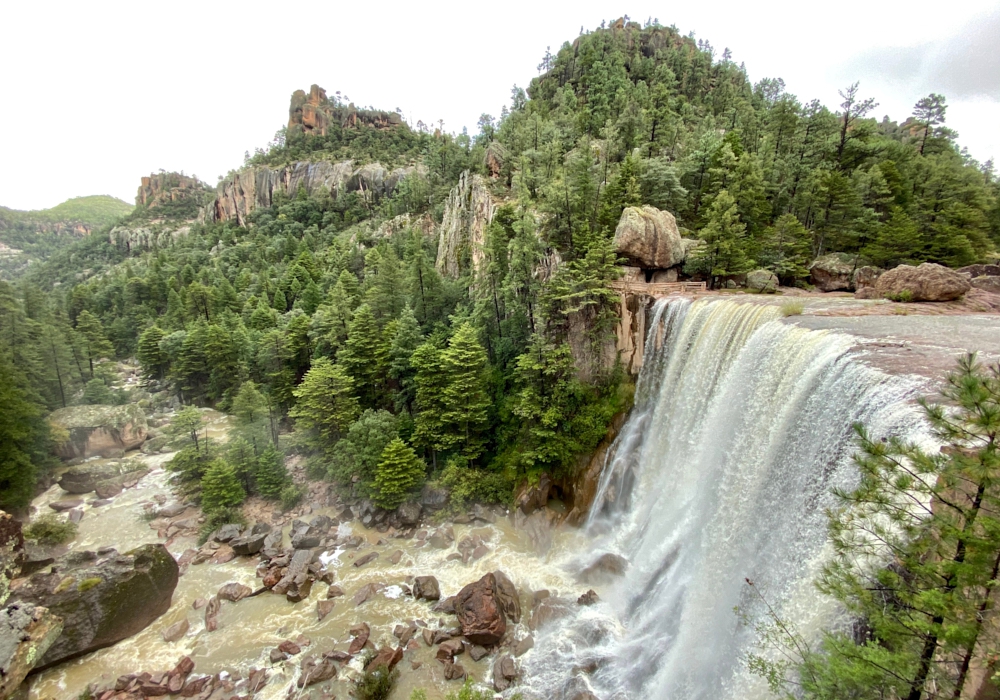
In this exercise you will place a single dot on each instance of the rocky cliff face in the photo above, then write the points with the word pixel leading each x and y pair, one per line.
pixel 159 188
pixel 467 213
pixel 312 114
pixel 242 193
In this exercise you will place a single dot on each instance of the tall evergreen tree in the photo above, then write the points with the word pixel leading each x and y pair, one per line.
pixel 464 397
pixel 399 473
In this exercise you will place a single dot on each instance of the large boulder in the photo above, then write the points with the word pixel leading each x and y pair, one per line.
pixel 980 270
pixel 648 238
pixel 104 601
pixel 480 612
pixel 988 283
pixel 103 431
pixel 762 281
pixel 109 475
pixel 926 282
pixel 833 272
pixel 865 276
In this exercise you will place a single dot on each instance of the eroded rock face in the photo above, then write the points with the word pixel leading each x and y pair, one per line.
pixel 926 282
pixel 313 114
pixel 648 238
pixel 243 192
pixel 103 431
pixel 467 213
pixel 102 601
pixel 480 612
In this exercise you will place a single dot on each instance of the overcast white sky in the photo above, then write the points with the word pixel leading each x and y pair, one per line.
pixel 97 94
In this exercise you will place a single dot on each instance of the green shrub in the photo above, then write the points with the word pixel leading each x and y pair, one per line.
pixel 49 530
pixel 468 484
pixel 220 488
pixel 470 692
pixel 291 496
pixel 904 297
pixel 792 308
pixel 376 684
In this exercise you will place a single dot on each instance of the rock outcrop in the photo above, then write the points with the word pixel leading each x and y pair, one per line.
pixel 648 238
pixel 161 188
pixel 243 192
pixel 26 631
pixel 135 238
pixel 313 114
pixel 467 213
pixel 101 600
pixel 109 478
pixel 833 272
pixel 103 431
pixel 926 282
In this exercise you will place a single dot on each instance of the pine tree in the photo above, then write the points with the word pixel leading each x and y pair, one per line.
pixel 249 408
pixel 155 363
pixel 430 381
pixel 353 460
pixel 916 556
pixel 784 248
pixel 723 253
pixel 270 475
pixel 220 489
pixel 95 342
pixel 325 403
pixel 365 356
pixel 465 398
pixel 24 439
pixel 405 341
pixel 278 302
pixel 398 474
pixel 188 422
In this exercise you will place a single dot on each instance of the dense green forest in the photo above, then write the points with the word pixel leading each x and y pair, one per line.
pixel 327 333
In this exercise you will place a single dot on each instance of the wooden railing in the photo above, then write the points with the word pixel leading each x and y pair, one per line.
pixel 659 289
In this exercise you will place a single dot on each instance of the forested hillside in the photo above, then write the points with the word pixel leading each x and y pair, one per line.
pixel 27 236
pixel 355 315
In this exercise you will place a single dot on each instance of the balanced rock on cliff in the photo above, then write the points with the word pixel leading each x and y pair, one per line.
pixel 648 238
pixel 926 282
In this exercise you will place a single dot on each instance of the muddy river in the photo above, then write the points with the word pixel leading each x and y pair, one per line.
pixel 251 628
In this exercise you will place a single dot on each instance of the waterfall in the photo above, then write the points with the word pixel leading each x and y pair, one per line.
pixel 741 428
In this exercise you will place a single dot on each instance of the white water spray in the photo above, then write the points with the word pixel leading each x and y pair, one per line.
pixel 742 426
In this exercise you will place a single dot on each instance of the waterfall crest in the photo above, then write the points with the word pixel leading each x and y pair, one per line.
pixel 742 426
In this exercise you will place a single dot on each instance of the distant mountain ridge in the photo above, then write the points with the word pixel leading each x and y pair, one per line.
pixel 30 236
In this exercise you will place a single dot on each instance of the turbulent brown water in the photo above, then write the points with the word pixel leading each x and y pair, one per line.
pixel 251 628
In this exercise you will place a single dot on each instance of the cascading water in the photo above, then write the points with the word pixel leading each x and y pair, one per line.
pixel 742 426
